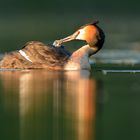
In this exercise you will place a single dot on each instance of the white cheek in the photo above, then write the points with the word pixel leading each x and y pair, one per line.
pixel 81 34
pixel 82 31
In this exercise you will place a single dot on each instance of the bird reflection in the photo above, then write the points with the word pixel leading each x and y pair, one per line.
pixel 53 105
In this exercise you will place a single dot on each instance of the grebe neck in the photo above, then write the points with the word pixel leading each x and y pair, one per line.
pixel 86 50
pixel 80 58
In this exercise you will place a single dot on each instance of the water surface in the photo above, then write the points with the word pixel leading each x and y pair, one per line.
pixel 76 105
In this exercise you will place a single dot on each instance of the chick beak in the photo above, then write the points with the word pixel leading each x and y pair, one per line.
pixel 57 43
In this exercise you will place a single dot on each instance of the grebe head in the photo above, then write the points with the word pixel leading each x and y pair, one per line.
pixel 90 33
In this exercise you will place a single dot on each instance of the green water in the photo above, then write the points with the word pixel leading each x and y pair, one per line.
pixel 75 105
pixel 102 104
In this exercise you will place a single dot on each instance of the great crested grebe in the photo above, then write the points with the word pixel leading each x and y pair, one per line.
pixel 38 55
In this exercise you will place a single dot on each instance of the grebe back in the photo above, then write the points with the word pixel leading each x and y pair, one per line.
pixel 36 55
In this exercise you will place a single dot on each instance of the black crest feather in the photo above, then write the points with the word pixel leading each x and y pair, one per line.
pixel 95 22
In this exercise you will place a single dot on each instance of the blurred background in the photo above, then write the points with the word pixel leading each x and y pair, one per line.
pixel 46 20
pixel 104 105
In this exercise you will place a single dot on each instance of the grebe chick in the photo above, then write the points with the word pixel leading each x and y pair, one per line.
pixel 55 57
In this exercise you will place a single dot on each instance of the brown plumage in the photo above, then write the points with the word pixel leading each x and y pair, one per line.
pixel 41 55
pixel 38 55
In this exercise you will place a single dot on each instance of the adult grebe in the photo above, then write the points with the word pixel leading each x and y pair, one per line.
pixel 38 55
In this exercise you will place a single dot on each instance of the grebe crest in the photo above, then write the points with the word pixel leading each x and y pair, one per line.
pixel 91 33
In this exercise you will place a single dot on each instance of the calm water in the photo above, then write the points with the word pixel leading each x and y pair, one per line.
pixel 76 105
pixel 102 104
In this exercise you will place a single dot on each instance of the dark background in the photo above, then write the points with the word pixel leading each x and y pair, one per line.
pixel 46 20
pixel 52 6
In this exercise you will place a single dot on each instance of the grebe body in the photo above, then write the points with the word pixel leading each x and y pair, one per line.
pixel 55 57
pixel 36 55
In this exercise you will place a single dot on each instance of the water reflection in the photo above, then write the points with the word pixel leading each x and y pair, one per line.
pixel 53 105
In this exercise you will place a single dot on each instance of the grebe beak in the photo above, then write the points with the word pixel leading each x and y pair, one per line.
pixel 57 43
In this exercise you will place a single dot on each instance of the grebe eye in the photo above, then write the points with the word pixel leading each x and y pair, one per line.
pixel 78 33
